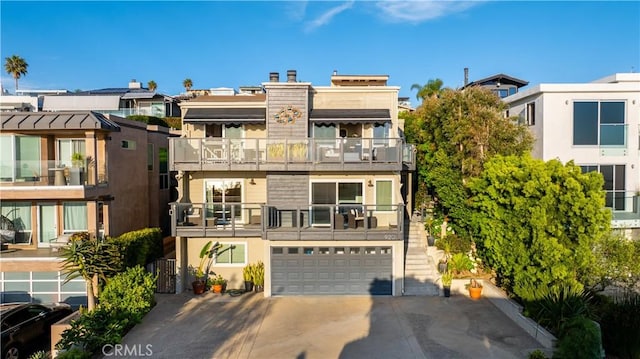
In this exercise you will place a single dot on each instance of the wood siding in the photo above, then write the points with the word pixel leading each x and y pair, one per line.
pixel 287 189
pixel 281 97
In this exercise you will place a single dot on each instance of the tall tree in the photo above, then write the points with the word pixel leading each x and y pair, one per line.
pixel 432 88
pixel 16 67
pixel 152 85
pixel 187 83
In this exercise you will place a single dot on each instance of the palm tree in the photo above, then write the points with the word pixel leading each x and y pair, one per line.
pixel 431 89
pixel 152 85
pixel 93 260
pixel 187 83
pixel 16 67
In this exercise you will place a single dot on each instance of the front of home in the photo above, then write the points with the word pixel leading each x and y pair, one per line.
pixel 596 125
pixel 311 180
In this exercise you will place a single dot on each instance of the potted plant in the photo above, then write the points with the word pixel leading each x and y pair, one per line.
pixel 475 289
pixel 446 278
pixel 443 263
pixel 258 276
pixel 218 283
pixel 201 274
pixel 77 159
pixel 247 274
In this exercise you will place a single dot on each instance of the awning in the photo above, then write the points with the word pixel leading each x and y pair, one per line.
pixel 226 115
pixel 350 115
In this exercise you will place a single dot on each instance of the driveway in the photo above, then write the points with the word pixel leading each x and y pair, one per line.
pixel 251 326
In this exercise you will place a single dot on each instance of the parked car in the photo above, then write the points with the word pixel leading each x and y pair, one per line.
pixel 23 323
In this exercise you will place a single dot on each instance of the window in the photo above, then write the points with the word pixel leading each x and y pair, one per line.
pixel 19 158
pixel 614 184
pixel 75 217
pixel 531 114
pixel 150 157
pixel 232 253
pixel 19 213
pixel 224 199
pixel 381 134
pixel 163 167
pixel 599 123
pixel 384 196
pixel 67 148
pixel 128 145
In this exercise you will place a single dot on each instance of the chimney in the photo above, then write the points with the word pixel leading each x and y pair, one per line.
pixel 466 76
pixel 133 84
pixel 274 77
pixel 291 75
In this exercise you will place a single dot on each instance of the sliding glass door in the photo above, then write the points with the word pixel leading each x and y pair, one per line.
pixel 220 195
pixel 346 194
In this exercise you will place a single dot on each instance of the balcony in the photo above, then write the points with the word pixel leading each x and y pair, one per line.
pixel 630 218
pixel 353 222
pixel 146 111
pixel 308 154
pixel 46 179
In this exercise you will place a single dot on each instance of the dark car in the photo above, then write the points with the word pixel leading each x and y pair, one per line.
pixel 23 323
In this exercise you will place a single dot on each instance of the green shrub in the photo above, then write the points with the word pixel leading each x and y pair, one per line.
pixel 552 306
pixel 174 122
pixel 130 293
pixel 537 354
pixel 620 321
pixel 579 338
pixel 459 263
pixel 457 244
pixel 140 247
pixel 92 330
pixel 41 354
pixel 149 120
pixel 73 354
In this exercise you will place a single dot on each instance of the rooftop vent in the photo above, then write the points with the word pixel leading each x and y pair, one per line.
pixel 274 77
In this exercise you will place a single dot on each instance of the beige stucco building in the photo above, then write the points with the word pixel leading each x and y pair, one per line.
pixel 311 180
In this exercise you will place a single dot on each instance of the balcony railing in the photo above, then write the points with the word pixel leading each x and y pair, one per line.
pixel 50 173
pixel 312 222
pixel 147 111
pixel 630 216
pixel 290 154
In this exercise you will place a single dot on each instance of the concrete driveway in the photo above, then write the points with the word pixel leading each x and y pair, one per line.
pixel 250 326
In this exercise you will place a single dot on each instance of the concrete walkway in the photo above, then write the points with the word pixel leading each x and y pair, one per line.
pixel 250 326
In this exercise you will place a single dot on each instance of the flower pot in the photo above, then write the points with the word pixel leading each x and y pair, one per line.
pixel 447 291
pixel 442 267
pixel 431 241
pixel 248 286
pixel 259 288
pixel 475 292
pixel 198 286
pixel 216 288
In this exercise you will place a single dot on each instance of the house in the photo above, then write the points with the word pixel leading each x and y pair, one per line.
pixel 67 172
pixel 311 180
pixel 596 125
pixel 119 101
pixel 502 85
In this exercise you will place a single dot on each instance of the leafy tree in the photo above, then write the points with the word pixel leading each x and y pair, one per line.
pixel 536 222
pixel 187 83
pixel 432 88
pixel 16 67
pixel 152 85
pixel 616 263
pixel 92 259
pixel 455 134
pixel 130 292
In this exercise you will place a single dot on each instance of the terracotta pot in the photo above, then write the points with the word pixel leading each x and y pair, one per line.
pixel 216 288
pixel 198 287
pixel 475 292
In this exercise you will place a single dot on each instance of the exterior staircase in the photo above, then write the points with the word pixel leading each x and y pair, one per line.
pixel 421 276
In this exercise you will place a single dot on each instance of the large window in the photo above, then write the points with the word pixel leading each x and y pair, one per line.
pixel 223 199
pixel 67 148
pixel 232 253
pixel 16 216
pixel 614 184
pixel 19 158
pixel 599 123
pixel 384 195
pixel 75 217
pixel 346 194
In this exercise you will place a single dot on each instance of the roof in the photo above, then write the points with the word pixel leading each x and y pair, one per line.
pixel 350 115
pixel 502 78
pixel 84 120
pixel 226 115
pixel 261 97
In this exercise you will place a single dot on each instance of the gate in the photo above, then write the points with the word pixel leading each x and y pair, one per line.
pixel 165 270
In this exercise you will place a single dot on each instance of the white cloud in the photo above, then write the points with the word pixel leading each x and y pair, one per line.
pixel 418 11
pixel 326 17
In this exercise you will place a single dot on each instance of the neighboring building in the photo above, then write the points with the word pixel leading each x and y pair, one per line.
pixel 121 101
pixel 404 105
pixel 12 103
pixel 68 172
pixel 311 180
pixel 502 85
pixel 597 126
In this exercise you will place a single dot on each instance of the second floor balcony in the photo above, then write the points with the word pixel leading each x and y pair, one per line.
pixel 307 154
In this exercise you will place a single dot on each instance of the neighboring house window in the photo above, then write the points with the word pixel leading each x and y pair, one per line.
pixel 381 134
pixel 163 167
pixel 128 144
pixel 67 148
pixel 19 213
pixel 531 114
pixel 384 195
pixel 19 158
pixel 614 183
pixel 75 217
pixel 150 156
pixel 599 123
pixel 232 253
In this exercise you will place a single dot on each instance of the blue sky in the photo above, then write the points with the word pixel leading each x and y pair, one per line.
pixel 90 45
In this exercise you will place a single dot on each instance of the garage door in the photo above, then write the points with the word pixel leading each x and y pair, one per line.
pixel 331 270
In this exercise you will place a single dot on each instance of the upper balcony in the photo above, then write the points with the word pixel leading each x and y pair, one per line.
pixel 313 222
pixel 146 111
pixel 629 218
pixel 49 179
pixel 307 154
